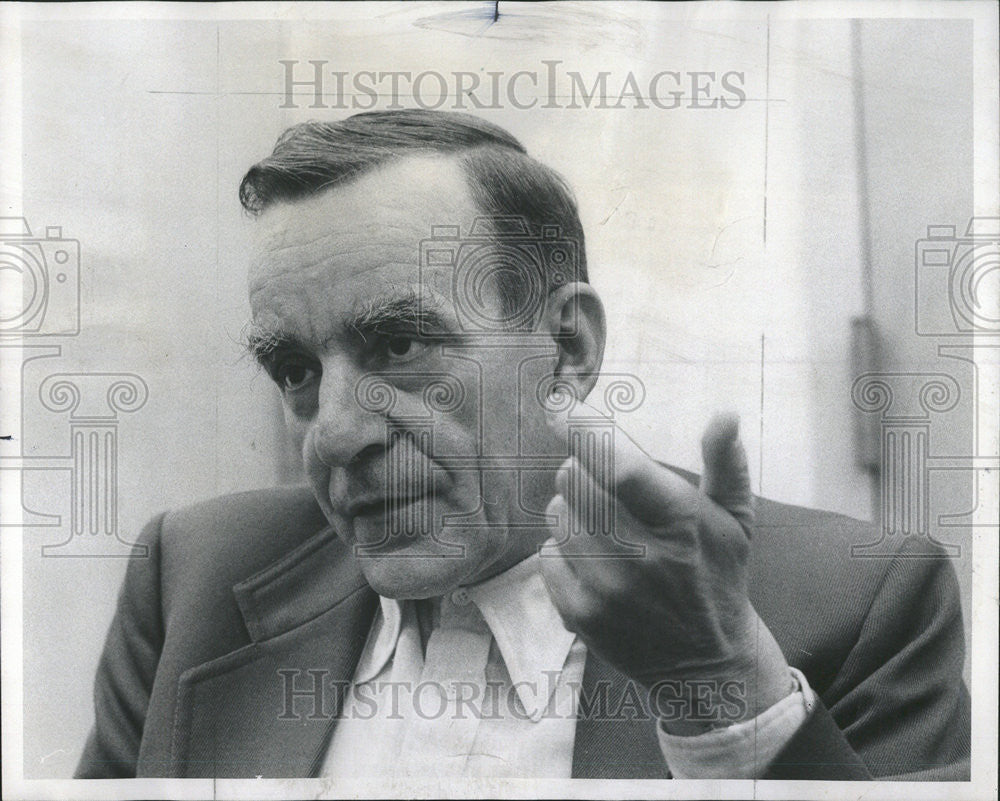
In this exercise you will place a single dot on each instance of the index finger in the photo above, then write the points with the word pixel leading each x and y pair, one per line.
pixel 618 464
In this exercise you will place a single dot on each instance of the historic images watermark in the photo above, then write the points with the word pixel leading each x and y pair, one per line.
pixel 315 84
pixel 311 694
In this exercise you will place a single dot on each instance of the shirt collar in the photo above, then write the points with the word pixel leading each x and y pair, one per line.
pixel 528 630
pixel 382 639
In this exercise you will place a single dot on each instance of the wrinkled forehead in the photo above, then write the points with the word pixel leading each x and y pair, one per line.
pixel 381 217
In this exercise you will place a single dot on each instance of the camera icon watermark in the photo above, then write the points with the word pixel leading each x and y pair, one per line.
pixel 48 268
pixel 965 270
pixel 500 253
pixel 40 302
pixel 956 296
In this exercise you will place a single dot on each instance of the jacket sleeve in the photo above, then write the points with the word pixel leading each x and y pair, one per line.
pixel 127 668
pixel 898 709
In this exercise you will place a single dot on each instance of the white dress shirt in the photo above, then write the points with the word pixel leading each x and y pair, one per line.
pixel 494 694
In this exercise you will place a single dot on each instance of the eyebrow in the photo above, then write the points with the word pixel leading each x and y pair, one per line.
pixel 406 312
pixel 262 344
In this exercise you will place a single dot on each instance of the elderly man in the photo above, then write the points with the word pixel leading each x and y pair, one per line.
pixel 485 576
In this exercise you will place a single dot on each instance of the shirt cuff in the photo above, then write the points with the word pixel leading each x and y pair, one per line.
pixel 743 750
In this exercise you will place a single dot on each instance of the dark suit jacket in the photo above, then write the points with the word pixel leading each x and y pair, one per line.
pixel 241 587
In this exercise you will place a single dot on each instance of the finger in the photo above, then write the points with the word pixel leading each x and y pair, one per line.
pixel 570 532
pixel 593 525
pixel 559 520
pixel 726 477
pixel 591 507
pixel 574 602
pixel 619 465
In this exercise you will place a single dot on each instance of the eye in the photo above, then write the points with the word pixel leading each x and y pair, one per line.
pixel 291 376
pixel 401 348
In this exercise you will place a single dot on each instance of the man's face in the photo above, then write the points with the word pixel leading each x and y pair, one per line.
pixel 361 339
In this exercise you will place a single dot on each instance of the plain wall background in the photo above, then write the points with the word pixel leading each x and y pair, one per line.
pixel 136 134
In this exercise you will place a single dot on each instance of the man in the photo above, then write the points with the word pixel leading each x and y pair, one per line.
pixel 486 578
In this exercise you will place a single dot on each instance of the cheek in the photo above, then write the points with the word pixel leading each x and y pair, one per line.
pixel 500 414
pixel 299 437
pixel 296 428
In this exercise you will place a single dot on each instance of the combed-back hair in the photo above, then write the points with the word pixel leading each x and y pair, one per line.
pixel 503 179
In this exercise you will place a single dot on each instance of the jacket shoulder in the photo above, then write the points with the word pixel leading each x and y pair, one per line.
pixel 814 577
pixel 246 527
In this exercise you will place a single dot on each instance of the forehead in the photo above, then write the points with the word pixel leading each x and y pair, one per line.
pixel 317 261
pixel 369 224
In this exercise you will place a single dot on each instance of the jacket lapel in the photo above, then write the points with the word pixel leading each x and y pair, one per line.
pixel 268 709
pixel 615 729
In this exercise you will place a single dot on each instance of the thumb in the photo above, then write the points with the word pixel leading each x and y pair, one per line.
pixel 726 478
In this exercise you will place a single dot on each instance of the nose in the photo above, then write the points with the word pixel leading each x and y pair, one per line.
pixel 343 430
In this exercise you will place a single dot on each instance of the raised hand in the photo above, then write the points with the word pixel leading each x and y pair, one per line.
pixel 679 612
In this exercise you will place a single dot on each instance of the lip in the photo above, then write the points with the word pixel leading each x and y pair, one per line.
pixel 371 507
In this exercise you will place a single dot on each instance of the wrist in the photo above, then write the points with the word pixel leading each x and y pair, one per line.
pixel 755 681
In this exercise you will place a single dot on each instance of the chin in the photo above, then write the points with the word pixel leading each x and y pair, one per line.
pixel 413 577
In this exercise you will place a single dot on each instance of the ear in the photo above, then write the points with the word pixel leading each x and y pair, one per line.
pixel 574 316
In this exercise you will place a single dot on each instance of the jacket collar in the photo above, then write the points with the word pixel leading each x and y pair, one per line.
pixel 299 587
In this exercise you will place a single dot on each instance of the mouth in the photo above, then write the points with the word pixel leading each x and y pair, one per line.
pixel 387 523
pixel 378 506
